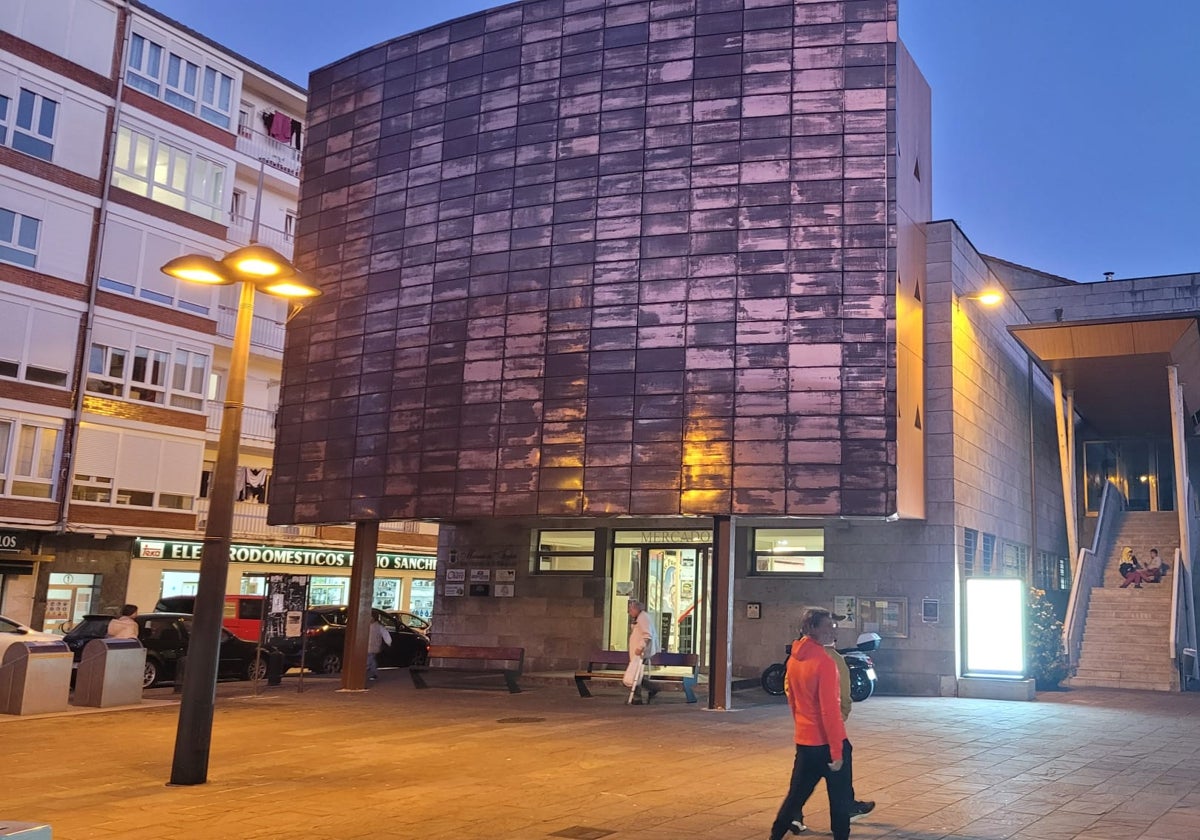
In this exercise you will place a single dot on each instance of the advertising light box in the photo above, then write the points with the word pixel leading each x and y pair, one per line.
pixel 995 617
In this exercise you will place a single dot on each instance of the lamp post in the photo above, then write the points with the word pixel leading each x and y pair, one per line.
pixel 256 268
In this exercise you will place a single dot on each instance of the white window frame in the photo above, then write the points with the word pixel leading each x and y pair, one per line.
pixel 6 104
pixel 12 248
pixel 34 132
pixel 209 93
pixel 160 181
pixel 141 76
pixel 43 456
pixel 146 386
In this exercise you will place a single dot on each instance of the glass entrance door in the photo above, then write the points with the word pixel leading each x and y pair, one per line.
pixel 669 580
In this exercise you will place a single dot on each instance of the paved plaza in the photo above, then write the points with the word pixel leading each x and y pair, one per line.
pixel 476 762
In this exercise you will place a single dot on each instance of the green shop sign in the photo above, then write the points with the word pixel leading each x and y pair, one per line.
pixel 280 555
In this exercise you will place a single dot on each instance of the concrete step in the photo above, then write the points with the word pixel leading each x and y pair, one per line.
pixel 1139 685
pixel 1095 663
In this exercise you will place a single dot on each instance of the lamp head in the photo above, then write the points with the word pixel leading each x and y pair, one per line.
pixel 289 287
pixel 258 262
pixel 196 268
pixel 990 297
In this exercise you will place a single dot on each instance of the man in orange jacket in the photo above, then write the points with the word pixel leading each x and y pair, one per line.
pixel 814 696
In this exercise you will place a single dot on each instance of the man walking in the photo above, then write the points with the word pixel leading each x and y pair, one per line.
pixel 643 644
pixel 378 638
pixel 813 693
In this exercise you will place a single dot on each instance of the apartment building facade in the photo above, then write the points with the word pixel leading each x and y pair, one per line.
pixel 126 140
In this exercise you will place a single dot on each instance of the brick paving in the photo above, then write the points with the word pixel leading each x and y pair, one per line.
pixel 477 762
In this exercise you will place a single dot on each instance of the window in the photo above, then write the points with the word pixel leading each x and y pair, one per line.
pixel 188 379
pixel 169 174
pixel 125 468
pixel 1016 560
pixel 566 551
pixel 4 100
pixel 189 85
pixel 989 553
pixel 28 454
pixel 19 238
pixel 970 546
pixel 149 375
pixel 37 345
pixel 216 98
pixel 1051 572
pixel 33 128
pixel 144 67
pixel 789 551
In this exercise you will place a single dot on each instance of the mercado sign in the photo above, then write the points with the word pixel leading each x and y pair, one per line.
pixel 279 555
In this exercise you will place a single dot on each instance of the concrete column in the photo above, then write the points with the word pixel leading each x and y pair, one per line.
pixel 362 589
pixel 1066 461
pixel 1182 481
pixel 720 593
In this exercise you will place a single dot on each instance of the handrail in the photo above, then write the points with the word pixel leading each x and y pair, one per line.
pixel 1183 596
pixel 1089 572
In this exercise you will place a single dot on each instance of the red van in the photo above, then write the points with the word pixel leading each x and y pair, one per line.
pixel 244 615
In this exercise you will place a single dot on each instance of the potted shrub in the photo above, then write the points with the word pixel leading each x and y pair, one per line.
pixel 1044 640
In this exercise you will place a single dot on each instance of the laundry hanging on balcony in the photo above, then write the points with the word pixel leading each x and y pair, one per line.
pixel 283 128
pixel 252 484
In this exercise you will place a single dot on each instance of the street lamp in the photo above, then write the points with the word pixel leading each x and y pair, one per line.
pixel 256 268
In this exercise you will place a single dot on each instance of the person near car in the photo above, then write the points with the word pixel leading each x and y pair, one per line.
pixel 643 644
pixel 814 698
pixel 378 638
pixel 125 625
pixel 858 808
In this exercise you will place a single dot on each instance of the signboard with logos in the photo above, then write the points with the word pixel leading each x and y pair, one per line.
pixel 16 542
pixel 280 555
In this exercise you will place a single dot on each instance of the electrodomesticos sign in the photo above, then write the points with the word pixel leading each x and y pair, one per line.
pixel 280 555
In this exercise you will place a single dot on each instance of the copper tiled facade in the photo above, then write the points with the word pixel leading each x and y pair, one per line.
pixel 586 258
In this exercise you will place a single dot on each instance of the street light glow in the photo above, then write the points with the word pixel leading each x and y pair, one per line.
pixel 196 268
pixel 290 288
pixel 259 261
pixel 989 297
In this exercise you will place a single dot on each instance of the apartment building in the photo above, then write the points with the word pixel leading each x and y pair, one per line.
pixel 126 140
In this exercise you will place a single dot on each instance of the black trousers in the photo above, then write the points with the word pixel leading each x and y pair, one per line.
pixel 847 768
pixel 812 765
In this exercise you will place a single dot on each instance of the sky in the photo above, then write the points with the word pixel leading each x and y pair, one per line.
pixel 1066 133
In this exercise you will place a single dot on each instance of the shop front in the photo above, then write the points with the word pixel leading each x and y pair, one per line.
pixel 19 559
pixel 163 568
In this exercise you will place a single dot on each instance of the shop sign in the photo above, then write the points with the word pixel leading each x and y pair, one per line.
pixel 15 541
pixel 662 537
pixel 280 555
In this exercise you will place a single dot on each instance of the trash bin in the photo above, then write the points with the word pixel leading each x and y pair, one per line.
pixel 1188 667
pixel 35 678
pixel 275 668
pixel 110 673
pixel 24 831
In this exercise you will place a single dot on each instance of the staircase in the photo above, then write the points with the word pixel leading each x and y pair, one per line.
pixel 1127 634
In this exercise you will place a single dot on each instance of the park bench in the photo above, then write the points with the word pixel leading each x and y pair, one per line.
pixel 473 659
pixel 611 665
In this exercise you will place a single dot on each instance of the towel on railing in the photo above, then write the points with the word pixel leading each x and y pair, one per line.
pixel 281 127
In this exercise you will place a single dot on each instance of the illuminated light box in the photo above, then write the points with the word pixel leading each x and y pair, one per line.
pixel 995 631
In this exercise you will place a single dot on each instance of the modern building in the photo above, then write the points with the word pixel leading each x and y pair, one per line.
pixel 126 140
pixel 644 300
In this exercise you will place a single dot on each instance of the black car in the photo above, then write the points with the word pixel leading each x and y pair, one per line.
pixel 325 641
pixel 165 637
pixel 176 604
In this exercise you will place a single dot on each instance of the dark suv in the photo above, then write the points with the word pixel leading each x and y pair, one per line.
pixel 165 637
pixel 325 637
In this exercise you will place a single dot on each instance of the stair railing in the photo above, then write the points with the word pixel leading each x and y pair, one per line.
pixel 1089 571
pixel 1183 599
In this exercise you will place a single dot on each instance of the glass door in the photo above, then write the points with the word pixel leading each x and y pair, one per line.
pixel 669 580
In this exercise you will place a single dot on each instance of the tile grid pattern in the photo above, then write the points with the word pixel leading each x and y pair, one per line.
pixel 585 257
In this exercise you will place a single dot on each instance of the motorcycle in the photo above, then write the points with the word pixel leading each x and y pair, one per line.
pixel 862 669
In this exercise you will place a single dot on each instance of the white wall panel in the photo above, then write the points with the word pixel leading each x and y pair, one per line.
pixel 83 31
pixel 180 466
pixel 137 468
pixel 55 336
pixel 96 452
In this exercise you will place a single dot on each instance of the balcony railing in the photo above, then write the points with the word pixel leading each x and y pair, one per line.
pixel 281 241
pixel 261 146
pixel 250 520
pixel 258 424
pixel 263 331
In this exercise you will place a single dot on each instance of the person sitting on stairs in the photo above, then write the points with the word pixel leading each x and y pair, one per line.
pixel 1155 568
pixel 1131 569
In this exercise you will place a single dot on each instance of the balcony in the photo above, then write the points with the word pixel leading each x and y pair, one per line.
pixel 263 331
pixel 280 240
pixel 250 522
pixel 264 147
pixel 258 424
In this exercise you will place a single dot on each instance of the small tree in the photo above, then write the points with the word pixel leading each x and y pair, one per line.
pixel 1047 658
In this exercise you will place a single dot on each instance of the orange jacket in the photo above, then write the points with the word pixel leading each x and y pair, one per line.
pixel 814 695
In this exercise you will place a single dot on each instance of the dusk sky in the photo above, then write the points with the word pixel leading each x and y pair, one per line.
pixel 1066 134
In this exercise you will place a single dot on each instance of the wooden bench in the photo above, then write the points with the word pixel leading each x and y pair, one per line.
pixel 473 659
pixel 611 665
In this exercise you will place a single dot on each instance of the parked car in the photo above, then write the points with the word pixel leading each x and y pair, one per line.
pixel 243 613
pixel 14 631
pixel 325 639
pixel 165 637
pixel 412 620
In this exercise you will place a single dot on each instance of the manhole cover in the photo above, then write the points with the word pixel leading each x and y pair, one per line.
pixel 582 832
pixel 524 720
